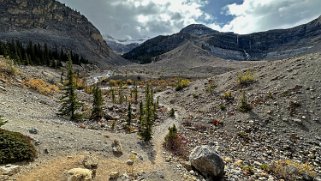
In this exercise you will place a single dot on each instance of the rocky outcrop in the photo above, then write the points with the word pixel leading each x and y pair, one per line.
pixel 205 160
pixel 274 44
pixel 53 23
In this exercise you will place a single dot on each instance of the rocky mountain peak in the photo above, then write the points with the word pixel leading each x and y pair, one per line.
pixel 197 29
pixel 51 22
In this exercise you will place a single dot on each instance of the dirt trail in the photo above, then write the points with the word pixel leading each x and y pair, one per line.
pixel 68 145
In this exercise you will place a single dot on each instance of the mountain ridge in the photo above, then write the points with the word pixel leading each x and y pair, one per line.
pixel 53 23
pixel 268 45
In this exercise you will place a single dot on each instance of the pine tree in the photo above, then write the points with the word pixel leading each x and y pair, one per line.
pixel 113 95
pixel 120 94
pixel 70 104
pixel 147 117
pixel 136 94
pixel 129 116
pixel 97 112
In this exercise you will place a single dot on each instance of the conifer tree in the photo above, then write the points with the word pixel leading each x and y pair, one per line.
pixel 70 103
pixel 113 95
pixel 136 94
pixel 97 112
pixel 120 94
pixel 147 118
pixel 129 115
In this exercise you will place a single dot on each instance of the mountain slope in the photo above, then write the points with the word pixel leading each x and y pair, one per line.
pixel 273 44
pixel 120 48
pixel 50 22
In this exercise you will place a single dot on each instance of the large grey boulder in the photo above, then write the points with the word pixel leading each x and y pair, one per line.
pixel 205 160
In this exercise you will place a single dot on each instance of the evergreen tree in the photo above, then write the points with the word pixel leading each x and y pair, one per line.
pixel 70 104
pixel 97 112
pixel 113 95
pixel 147 117
pixel 136 94
pixel 120 94
pixel 129 115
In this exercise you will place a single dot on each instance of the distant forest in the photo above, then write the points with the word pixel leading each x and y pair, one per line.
pixel 36 54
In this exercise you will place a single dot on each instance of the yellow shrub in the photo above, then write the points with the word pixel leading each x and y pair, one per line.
pixel 228 96
pixel 182 83
pixel 41 86
pixel 80 83
pixel 288 169
pixel 246 78
pixel 7 68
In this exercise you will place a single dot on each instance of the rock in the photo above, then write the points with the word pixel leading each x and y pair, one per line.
pixel 205 160
pixel 46 151
pixel 90 163
pixel 318 178
pixel 113 175
pixel 307 177
pixel 80 174
pixel 299 121
pixel 117 148
pixel 33 131
pixel 130 162
pixel 9 170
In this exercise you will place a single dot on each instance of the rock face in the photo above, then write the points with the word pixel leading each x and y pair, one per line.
pixel 205 160
pixel 274 44
pixel 50 22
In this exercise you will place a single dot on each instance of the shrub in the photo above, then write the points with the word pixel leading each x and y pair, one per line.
pixel 246 78
pixel 210 87
pixel 244 106
pixel 80 83
pixel 228 96
pixel 172 113
pixel 201 127
pixel 114 83
pixel 181 84
pixel 41 86
pixel 291 170
pixel 175 142
pixel 7 67
pixel 15 147
pixel 222 107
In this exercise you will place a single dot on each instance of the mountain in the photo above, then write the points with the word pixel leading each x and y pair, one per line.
pixel 52 23
pixel 269 45
pixel 120 48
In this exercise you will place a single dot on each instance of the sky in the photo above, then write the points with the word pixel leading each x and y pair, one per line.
pixel 138 20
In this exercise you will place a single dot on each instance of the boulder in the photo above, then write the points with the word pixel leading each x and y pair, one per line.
pixel 80 174
pixel 207 162
pixel 114 176
pixel 9 170
pixel 117 148
pixel 33 131
pixel 90 163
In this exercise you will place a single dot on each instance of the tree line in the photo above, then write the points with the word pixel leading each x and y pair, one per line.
pixel 37 54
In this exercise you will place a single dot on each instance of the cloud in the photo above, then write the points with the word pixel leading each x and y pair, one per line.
pixel 142 19
pixel 133 19
pixel 254 16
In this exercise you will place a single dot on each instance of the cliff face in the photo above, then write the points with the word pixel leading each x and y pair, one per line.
pixel 272 44
pixel 50 22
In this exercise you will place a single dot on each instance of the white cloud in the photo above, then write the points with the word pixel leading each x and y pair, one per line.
pixel 261 15
pixel 141 19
